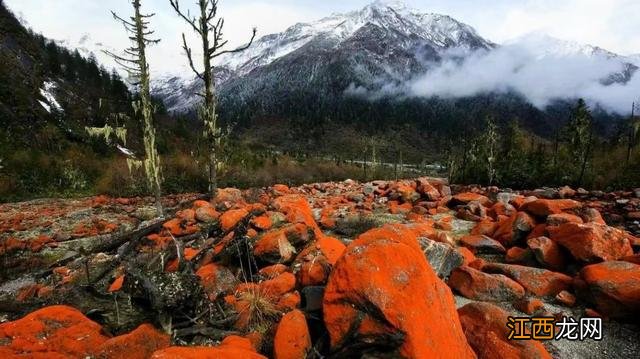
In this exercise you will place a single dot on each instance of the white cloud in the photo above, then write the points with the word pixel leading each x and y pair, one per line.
pixel 525 68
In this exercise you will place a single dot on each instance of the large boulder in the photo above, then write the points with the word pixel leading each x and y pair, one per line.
pixel 592 242
pixel 474 284
pixel 537 281
pixel 441 257
pixel 51 332
pixel 292 340
pixel 545 207
pixel 485 327
pixel 548 253
pixel 479 243
pixel 314 263
pixel 139 344
pixel 614 287
pixel 232 347
pixel 382 293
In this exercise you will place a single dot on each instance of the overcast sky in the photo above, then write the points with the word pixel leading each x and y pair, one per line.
pixel 611 24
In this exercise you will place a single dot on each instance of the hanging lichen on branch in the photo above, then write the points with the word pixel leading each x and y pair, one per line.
pixel 134 62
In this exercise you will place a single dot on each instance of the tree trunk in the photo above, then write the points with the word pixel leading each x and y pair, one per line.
pixel 152 158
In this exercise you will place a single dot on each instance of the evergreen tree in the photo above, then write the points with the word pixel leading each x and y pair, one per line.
pixel 580 138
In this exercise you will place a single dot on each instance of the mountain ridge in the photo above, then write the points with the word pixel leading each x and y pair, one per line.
pixel 415 43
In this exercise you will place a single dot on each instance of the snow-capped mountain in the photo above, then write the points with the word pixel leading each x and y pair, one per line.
pixel 374 50
pixel 409 25
pixel 382 41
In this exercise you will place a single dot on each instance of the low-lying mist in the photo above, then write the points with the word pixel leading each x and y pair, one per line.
pixel 539 68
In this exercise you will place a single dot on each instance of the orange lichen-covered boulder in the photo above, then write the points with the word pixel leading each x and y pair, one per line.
pixel 292 340
pixel 383 291
pixel 548 253
pixel 545 207
pixel 279 245
pixel 230 218
pixel 216 280
pixel 139 344
pixel 485 326
pixel 52 332
pixel 537 281
pixel 592 242
pixel 561 218
pixel 466 197
pixel 482 244
pixel 206 214
pixel 314 263
pixel 477 285
pixel 180 227
pixel 297 210
pixel 231 195
pixel 232 347
pixel 614 287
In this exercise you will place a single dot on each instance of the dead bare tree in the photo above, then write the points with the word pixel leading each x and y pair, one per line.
pixel 209 27
pixel 135 63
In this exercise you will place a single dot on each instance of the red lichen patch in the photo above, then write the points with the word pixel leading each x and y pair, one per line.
pixel 592 242
pixel 288 302
pixel 117 284
pixel 273 271
pixel 139 344
pixel 537 281
pixel 467 255
pixel 548 253
pixel 180 227
pixel 279 245
pixel 315 262
pixel 188 215
pixel 231 195
pixel 232 347
pixel 529 306
pixel 207 214
pixel 190 253
pixel 292 339
pixel 465 198
pixel 280 189
pixel 279 285
pixel 38 243
pixel 297 210
pixel 562 218
pixel 545 207
pixel 614 287
pixel 159 241
pixel 56 331
pixel 485 327
pixel 230 218
pixel 28 292
pixel 473 284
pixel 519 255
pixel 566 298
pixel 11 244
pixel 216 280
pixel 485 227
pixel 262 222
pixel 381 274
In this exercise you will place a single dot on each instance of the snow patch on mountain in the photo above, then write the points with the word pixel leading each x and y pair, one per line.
pixel 47 92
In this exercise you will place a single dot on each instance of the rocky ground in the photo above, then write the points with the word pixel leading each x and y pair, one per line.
pixel 414 268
